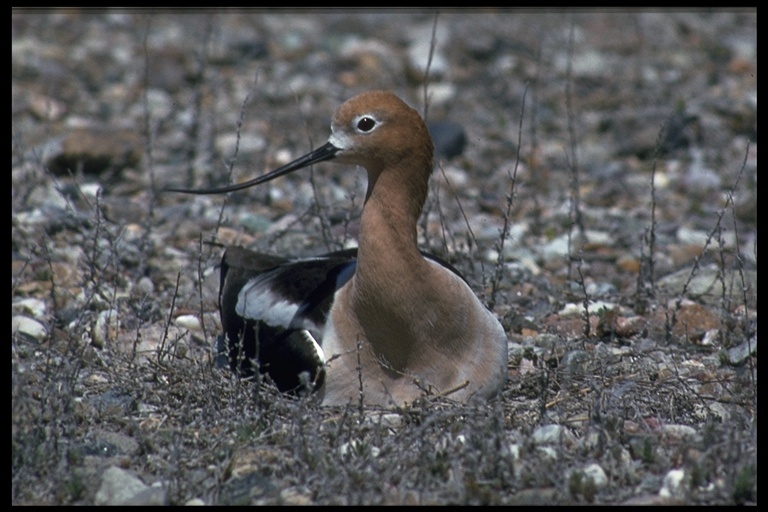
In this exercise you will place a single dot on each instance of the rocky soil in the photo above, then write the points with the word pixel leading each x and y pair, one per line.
pixel 596 181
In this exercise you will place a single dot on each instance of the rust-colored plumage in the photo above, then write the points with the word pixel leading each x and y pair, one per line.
pixel 397 320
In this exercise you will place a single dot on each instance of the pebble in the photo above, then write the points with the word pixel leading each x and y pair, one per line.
pixel 79 99
pixel 120 488
pixel 738 354
pixel 597 474
pixel 672 486
pixel 106 328
pixel 35 307
pixel 191 322
pixel 95 149
pixel 295 497
pixel 28 326
pixel 449 139
pixel 553 434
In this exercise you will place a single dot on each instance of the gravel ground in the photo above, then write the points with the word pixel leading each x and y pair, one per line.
pixel 596 182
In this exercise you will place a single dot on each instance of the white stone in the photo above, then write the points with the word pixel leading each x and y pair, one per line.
pixel 672 486
pixel 190 322
pixel 28 326
pixel 35 307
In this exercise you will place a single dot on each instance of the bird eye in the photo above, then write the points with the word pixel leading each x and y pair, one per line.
pixel 366 124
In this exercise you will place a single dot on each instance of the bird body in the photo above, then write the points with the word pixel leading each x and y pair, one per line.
pixel 385 322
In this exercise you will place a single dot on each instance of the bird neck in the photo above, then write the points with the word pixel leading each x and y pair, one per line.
pixel 391 279
pixel 393 204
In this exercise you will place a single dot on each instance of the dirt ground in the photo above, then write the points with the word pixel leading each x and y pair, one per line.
pixel 596 182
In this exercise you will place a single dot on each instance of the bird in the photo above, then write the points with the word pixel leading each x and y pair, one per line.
pixel 383 324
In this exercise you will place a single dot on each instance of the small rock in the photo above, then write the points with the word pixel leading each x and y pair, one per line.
pixel 576 362
pixel 694 320
pixel 678 432
pixel 553 434
pixel 421 52
pixel 673 484
pixel 390 420
pixel 29 327
pixel 121 442
pixel 191 322
pixel 144 287
pixel 35 307
pixel 705 285
pixel 227 143
pixel 358 448
pixel 96 149
pixel 46 108
pixel 559 247
pixel 597 474
pixel 547 452
pixel 119 487
pixel 740 353
pixel 106 328
pixel 628 327
pixel 601 289
pixel 295 496
pixel 449 139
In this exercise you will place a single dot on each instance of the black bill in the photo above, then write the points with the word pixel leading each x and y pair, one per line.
pixel 321 154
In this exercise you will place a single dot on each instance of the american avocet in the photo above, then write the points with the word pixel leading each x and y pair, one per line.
pixel 393 322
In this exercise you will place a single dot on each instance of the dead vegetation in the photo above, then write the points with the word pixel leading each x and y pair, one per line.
pixel 604 206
